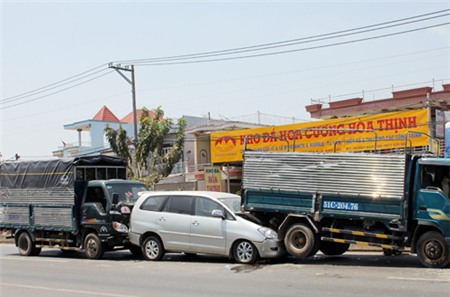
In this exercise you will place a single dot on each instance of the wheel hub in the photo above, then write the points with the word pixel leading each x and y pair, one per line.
pixel 245 251
pixel 91 246
pixel 152 249
pixel 299 240
pixel 433 250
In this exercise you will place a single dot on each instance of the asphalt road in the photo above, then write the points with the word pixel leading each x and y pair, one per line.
pixel 120 275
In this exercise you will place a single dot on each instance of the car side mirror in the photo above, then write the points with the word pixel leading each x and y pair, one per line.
pixel 115 198
pixel 217 213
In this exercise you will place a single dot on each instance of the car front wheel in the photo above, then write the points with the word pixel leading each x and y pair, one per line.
pixel 245 252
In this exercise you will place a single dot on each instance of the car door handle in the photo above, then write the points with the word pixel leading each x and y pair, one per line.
pixel 162 219
pixel 195 223
pixel 423 208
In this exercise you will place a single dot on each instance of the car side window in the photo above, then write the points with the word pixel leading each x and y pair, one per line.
pixel 153 203
pixel 205 206
pixel 179 204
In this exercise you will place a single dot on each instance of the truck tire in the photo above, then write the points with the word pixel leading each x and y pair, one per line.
pixel 333 248
pixel 26 245
pixel 152 248
pixel 432 250
pixel 93 247
pixel 300 241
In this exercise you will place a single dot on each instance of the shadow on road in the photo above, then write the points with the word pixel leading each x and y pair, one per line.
pixel 367 259
pixel 352 258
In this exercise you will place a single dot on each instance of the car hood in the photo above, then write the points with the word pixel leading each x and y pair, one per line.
pixel 248 217
pixel 250 229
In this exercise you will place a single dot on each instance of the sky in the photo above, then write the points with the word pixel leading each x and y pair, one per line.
pixel 45 43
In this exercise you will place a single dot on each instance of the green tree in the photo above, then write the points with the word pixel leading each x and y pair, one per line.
pixel 150 161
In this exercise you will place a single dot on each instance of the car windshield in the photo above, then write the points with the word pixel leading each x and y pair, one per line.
pixel 233 203
pixel 128 192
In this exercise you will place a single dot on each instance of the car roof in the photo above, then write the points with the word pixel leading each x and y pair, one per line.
pixel 209 194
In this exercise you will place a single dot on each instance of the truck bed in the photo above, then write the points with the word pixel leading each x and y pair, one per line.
pixel 345 185
pixel 50 208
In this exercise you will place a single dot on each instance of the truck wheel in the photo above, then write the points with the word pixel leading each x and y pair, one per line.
pixel 245 252
pixel 300 241
pixel 93 247
pixel 152 248
pixel 26 245
pixel 432 250
pixel 333 248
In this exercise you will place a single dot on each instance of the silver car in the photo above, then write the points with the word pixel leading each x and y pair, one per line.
pixel 199 222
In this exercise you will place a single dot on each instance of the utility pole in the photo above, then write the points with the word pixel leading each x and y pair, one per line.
pixel 431 127
pixel 129 68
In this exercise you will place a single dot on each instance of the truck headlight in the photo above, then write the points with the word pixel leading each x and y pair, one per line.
pixel 125 209
pixel 119 227
pixel 268 233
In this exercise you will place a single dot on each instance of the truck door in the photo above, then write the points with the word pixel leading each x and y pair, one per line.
pixel 94 207
pixel 433 202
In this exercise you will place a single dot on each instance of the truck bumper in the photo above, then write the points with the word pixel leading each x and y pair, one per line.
pixel 270 248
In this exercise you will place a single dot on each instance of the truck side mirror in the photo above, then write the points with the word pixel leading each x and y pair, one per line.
pixel 115 198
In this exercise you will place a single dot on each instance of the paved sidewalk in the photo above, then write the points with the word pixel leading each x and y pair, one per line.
pixel 3 238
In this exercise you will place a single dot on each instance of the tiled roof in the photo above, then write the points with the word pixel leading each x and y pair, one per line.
pixel 104 114
pixel 129 117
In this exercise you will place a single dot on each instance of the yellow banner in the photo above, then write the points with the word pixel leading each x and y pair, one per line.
pixel 213 179
pixel 350 134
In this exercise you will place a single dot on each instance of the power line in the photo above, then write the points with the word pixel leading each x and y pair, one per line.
pixel 36 92
pixel 269 75
pixel 297 71
pixel 44 96
pixel 47 111
pixel 53 85
pixel 291 42
pixel 293 50
pixel 193 58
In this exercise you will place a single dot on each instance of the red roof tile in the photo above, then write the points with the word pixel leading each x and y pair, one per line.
pixel 104 114
pixel 129 117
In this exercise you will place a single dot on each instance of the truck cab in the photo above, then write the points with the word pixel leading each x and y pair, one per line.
pixel 105 214
pixel 80 203
pixel 431 211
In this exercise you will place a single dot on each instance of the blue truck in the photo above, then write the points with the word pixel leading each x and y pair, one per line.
pixel 81 203
pixel 326 202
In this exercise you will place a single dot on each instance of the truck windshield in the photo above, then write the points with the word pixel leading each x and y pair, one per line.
pixel 128 192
